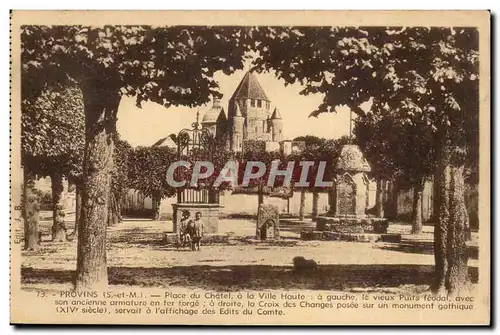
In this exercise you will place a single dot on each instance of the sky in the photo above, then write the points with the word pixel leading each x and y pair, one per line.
pixel 143 127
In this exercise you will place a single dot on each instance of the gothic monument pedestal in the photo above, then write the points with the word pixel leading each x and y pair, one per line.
pixel 347 219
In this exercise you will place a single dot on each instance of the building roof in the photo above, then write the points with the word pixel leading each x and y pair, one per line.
pixel 351 159
pixel 213 113
pixel 276 114
pixel 165 142
pixel 249 88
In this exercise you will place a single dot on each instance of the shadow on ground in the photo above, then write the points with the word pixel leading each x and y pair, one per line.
pixel 423 247
pixel 256 277
pixel 156 241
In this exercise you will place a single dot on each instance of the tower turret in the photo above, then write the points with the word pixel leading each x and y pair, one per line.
pixel 277 126
pixel 237 130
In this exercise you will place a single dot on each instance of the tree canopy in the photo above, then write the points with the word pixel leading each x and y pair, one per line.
pixel 167 65
pixel 408 155
pixel 52 132
pixel 426 75
pixel 318 150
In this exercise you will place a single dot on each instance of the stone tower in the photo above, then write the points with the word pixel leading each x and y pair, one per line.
pixel 237 130
pixel 254 106
pixel 277 126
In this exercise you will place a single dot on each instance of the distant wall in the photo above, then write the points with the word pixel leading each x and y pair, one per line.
pixel 69 198
pixel 405 203
pixel 237 204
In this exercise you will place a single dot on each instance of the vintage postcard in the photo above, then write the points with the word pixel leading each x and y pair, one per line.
pixel 250 167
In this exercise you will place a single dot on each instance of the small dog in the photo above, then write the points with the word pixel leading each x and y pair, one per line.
pixel 300 264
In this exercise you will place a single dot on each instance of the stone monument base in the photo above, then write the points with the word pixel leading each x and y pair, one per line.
pixel 173 239
pixel 268 221
pixel 351 237
pixel 352 225
pixel 209 215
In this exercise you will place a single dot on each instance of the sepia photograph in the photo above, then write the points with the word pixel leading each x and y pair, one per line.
pixel 250 168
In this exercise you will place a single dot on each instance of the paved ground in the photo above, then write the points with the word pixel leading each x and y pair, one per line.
pixel 137 256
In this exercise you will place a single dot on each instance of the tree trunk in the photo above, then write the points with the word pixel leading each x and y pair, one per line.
pixel 394 201
pixel 119 210
pixel 58 214
pixel 112 211
pixel 78 210
pixel 315 200
pixel 450 250
pixel 101 105
pixel 31 211
pixel 156 207
pixel 417 209
pixel 388 199
pixel 302 204
pixel 260 195
pixel 468 233
pixel 332 199
pixel 435 198
pixel 385 197
pixel 379 199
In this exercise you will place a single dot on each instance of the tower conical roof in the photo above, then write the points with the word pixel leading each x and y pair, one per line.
pixel 249 88
pixel 276 114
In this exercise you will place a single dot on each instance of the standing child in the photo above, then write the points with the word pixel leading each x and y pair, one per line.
pixel 197 232
pixel 184 229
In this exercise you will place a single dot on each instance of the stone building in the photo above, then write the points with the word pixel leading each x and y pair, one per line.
pixel 249 117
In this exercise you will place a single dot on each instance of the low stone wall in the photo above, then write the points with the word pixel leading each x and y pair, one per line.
pixel 352 237
pixel 173 238
pixel 209 215
pixel 352 225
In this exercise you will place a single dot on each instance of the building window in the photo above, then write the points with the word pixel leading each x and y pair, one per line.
pixel 252 102
pixel 259 103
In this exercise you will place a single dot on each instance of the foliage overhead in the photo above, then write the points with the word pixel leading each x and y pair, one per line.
pixel 424 75
pixel 318 150
pixel 166 65
pixel 407 155
pixel 52 132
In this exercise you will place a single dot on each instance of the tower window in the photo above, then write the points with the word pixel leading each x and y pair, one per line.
pixel 259 103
